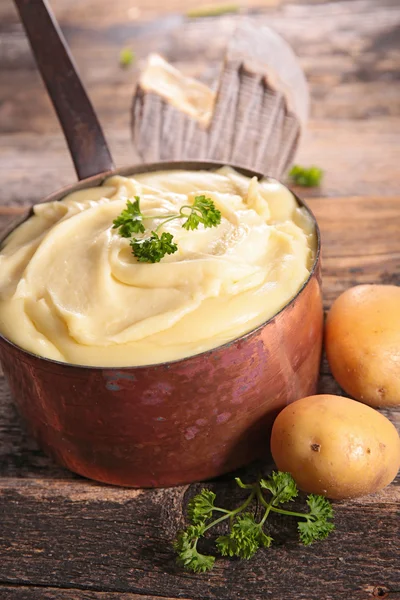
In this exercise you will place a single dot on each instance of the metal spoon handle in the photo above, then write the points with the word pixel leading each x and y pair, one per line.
pixel 82 130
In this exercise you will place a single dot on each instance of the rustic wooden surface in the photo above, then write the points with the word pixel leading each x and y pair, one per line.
pixel 64 537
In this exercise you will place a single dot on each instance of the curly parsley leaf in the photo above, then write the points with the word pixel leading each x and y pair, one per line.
pixel 306 176
pixel 226 545
pixel 281 485
pixel 202 211
pixel 126 57
pixel 153 248
pixel 200 507
pixel 245 538
pixel 197 562
pixel 245 532
pixel 320 507
pixel 186 547
pixel 317 525
pixel 249 536
pixel 265 540
pixel 130 221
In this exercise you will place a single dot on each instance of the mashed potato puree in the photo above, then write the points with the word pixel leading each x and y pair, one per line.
pixel 71 290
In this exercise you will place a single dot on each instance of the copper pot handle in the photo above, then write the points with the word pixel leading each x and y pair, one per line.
pixel 82 130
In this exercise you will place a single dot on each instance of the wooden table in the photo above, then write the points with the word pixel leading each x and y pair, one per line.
pixel 65 537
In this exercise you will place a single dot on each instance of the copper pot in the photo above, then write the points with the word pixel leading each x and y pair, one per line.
pixel 175 422
pixel 179 421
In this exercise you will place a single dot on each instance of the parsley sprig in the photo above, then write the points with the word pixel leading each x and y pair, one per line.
pixel 126 57
pixel 306 176
pixel 246 533
pixel 154 247
pixel 130 221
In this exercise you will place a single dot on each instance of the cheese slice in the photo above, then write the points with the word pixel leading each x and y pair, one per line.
pixel 186 94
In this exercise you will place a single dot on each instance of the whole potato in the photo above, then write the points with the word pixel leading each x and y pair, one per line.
pixel 335 446
pixel 362 342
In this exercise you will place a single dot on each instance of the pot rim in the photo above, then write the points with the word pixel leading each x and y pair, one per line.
pixel 136 169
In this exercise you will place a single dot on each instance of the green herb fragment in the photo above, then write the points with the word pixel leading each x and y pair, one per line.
pixel 244 486
pixel 306 176
pixel 246 532
pixel 201 506
pixel 126 57
pixel 245 538
pixel 130 220
pixel 188 555
pixel 202 211
pixel 153 248
pixel 281 486
pixel 317 526
pixel 212 10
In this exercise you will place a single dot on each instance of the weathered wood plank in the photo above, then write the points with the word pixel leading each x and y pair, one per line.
pixel 32 166
pixel 376 221
pixel 77 505
pixel 125 547
pixel 24 592
pixel 348 50
pixel 62 536
pixel 97 12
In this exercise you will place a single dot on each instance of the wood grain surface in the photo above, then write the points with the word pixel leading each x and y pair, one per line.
pixel 347 48
pixel 63 537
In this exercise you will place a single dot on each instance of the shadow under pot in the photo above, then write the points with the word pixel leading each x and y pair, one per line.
pixel 175 422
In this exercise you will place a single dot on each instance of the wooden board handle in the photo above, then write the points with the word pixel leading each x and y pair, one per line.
pixel 82 130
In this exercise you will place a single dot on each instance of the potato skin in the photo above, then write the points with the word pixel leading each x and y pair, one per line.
pixel 362 343
pixel 335 446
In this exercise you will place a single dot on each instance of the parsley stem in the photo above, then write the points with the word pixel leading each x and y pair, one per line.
pixel 175 215
pixel 191 208
pixel 232 513
pixel 165 221
pixel 265 517
pixel 281 511
pixel 244 486
pixel 261 498
pixel 172 216
pixel 267 505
